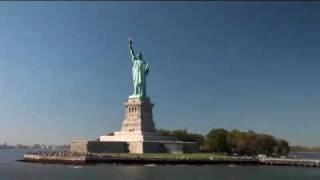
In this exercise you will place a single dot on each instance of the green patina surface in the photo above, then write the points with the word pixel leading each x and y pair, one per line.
pixel 140 70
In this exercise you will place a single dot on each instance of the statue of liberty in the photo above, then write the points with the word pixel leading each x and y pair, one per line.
pixel 140 70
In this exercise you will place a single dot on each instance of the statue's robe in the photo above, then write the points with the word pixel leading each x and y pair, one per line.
pixel 139 71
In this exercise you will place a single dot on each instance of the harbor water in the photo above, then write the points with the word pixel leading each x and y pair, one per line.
pixel 10 169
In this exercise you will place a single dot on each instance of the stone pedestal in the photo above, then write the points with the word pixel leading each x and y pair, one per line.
pixel 138 116
pixel 139 132
pixel 138 124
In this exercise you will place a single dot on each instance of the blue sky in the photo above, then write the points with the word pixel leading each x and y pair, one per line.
pixel 65 69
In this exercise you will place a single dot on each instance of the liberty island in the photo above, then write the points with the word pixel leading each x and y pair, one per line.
pixel 138 133
pixel 138 141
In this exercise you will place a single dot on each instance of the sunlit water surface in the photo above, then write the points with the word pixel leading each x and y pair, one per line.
pixel 12 170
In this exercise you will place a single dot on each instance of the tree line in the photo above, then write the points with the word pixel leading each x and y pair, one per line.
pixel 233 142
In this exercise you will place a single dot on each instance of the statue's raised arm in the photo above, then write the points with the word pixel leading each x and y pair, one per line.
pixel 133 56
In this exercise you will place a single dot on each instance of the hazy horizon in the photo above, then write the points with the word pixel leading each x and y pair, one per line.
pixel 65 68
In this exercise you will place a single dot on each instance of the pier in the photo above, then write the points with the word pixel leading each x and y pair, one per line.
pixel 291 162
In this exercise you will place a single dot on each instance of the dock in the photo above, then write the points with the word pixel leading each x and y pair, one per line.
pixel 291 162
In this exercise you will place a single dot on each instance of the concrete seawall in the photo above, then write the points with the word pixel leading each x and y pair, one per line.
pixel 121 160
pixel 83 159
pixel 55 159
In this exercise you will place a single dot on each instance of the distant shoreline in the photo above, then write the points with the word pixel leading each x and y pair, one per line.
pixel 305 152
pixel 304 149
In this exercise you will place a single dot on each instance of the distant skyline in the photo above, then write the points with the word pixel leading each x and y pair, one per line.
pixel 65 67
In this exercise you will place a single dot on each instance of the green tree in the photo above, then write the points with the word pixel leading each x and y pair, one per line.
pixel 265 144
pixel 216 140
pixel 282 147
pixel 235 141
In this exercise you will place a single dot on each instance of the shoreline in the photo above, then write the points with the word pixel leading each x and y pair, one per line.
pixel 164 160
pixel 137 161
